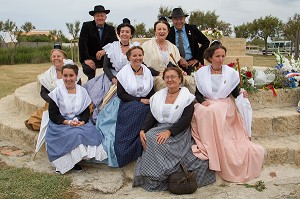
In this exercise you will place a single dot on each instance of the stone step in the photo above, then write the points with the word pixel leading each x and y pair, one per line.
pixel 267 121
pixel 27 98
pixel 266 98
pixel 271 122
pixel 281 150
pixel 12 123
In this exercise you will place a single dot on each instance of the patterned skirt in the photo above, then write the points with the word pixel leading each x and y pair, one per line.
pixel 97 89
pixel 158 161
pixel 131 116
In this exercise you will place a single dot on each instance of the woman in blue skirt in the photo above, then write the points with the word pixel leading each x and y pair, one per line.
pixel 134 88
pixel 70 137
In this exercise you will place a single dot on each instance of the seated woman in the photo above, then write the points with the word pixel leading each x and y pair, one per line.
pixel 70 137
pixel 158 52
pixel 114 60
pixel 218 130
pixel 166 137
pixel 49 80
pixel 135 87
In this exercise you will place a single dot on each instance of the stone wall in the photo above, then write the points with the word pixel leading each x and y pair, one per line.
pixel 236 48
pixel 266 99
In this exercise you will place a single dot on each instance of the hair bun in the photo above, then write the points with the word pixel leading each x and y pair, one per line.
pixel 162 18
pixel 126 20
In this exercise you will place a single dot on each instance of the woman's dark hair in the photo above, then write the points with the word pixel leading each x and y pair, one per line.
pixel 209 52
pixel 126 23
pixel 74 67
pixel 176 69
pixel 215 42
pixel 128 53
pixel 164 21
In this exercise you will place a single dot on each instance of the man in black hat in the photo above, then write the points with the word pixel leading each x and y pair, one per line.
pixel 93 36
pixel 187 38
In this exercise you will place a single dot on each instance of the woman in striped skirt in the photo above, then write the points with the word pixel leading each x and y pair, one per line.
pixel 166 137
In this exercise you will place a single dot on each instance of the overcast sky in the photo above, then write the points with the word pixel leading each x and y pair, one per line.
pixel 53 14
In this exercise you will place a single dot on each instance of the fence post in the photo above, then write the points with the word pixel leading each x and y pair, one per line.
pixel 297 42
pixel 74 50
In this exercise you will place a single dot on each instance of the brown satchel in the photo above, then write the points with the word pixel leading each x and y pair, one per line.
pixel 182 182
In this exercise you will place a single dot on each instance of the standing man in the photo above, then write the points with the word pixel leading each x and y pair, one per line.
pixel 187 38
pixel 93 36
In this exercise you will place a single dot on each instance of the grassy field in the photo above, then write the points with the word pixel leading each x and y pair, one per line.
pixel 14 76
pixel 266 61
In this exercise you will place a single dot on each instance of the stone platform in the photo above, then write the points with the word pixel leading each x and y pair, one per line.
pixel 275 126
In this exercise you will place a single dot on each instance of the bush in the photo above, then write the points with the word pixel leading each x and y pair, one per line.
pixel 28 55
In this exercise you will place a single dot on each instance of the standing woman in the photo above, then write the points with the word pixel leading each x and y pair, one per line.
pixel 114 59
pixel 135 87
pixel 70 137
pixel 218 130
pixel 49 80
pixel 166 137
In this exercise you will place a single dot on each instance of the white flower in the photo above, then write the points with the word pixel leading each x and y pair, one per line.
pixel 251 81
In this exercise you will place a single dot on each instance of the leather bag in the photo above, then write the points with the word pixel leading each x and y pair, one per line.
pixel 182 182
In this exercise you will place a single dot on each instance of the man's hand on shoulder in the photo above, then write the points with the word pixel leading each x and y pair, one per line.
pixel 90 63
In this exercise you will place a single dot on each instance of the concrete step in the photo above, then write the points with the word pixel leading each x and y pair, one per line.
pixel 12 123
pixel 270 122
pixel 281 150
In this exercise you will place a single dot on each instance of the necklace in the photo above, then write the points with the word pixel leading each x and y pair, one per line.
pixel 136 71
pixel 216 69
pixel 160 46
pixel 173 92
pixel 124 44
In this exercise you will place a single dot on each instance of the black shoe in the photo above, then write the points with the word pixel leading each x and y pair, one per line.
pixel 57 171
pixel 77 168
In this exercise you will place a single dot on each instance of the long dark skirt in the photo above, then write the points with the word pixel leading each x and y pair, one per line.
pixel 130 119
pixel 158 161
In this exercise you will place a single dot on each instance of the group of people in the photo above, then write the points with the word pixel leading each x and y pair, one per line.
pixel 160 116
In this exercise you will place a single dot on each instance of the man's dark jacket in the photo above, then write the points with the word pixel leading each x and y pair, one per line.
pixel 195 37
pixel 89 41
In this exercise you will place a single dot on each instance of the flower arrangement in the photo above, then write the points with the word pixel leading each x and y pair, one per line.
pixel 287 71
pixel 215 33
pixel 247 77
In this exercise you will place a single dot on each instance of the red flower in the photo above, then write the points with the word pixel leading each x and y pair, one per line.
pixel 249 74
pixel 231 64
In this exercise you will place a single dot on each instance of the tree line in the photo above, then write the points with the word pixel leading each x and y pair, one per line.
pixel 259 31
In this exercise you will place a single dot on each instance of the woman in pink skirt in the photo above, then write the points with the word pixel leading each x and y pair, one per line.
pixel 217 128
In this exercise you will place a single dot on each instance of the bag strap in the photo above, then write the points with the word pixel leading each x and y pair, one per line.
pixel 183 167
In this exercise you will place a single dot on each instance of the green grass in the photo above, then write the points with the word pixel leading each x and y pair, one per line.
pixel 266 61
pixel 15 76
pixel 20 183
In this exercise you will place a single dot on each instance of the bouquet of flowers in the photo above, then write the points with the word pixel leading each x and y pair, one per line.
pixel 247 77
pixel 287 71
pixel 215 33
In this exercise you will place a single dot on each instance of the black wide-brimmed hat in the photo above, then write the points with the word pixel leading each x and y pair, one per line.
pixel 177 12
pixel 98 8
